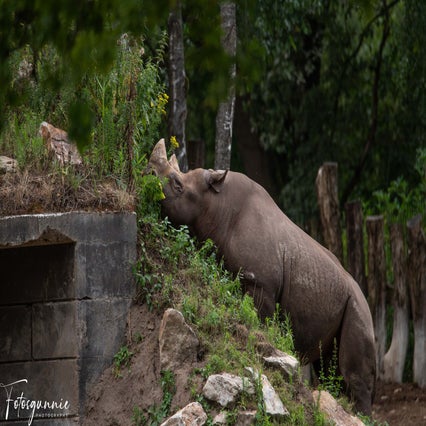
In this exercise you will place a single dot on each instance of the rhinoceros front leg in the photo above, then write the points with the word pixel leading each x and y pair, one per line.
pixel 357 361
pixel 262 298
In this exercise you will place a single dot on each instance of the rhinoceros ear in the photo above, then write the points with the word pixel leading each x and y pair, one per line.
pixel 174 163
pixel 215 178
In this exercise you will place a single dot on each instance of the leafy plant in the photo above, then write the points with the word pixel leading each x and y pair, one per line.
pixel 138 418
pixel 122 359
pixel 157 414
pixel 169 389
pixel 329 378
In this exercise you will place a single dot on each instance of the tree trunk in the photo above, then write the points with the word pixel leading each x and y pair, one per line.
pixel 328 201
pixel 196 153
pixel 377 285
pixel 256 162
pixel 225 113
pixel 394 360
pixel 355 236
pixel 177 83
pixel 417 285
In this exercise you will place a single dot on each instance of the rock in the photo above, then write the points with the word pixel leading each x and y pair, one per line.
pixel 273 404
pixel 333 410
pixel 246 418
pixel 226 388
pixel 8 165
pixel 58 143
pixel 178 342
pixel 220 419
pixel 191 415
pixel 288 364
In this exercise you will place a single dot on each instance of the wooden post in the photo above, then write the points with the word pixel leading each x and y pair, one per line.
pixel 394 360
pixel 377 285
pixel 355 236
pixel 417 285
pixel 328 202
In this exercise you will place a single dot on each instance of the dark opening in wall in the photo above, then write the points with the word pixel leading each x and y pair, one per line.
pixel 38 333
pixel 37 273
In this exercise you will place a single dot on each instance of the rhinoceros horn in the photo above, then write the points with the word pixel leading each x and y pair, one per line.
pixel 159 154
pixel 174 163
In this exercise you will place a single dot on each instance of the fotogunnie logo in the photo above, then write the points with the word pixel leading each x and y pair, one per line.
pixel 19 406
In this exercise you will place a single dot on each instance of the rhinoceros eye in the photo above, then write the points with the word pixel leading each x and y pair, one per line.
pixel 176 183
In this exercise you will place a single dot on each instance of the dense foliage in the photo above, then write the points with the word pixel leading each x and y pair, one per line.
pixel 321 80
pixel 344 82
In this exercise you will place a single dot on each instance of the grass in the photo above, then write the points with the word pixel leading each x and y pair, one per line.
pixel 175 271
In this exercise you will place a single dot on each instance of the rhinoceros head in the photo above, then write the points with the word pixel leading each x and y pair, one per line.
pixel 187 195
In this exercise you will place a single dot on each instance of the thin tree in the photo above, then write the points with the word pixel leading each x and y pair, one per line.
pixel 225 114
pixel 177 83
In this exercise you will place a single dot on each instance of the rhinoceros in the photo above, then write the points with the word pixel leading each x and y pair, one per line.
pixel 278 264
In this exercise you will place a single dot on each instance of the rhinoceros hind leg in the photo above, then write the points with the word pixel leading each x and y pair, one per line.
pixel 357 360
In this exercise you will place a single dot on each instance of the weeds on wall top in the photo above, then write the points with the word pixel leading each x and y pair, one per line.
pixel 126 108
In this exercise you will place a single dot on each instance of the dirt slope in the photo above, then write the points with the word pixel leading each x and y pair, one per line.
pixel 113 399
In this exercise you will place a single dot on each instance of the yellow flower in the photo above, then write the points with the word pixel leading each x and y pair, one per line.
pixel 161 195
pixel 173 142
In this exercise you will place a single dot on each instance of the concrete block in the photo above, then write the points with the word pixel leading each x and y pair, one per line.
pixel 45 381
pixel 15 333
pixel 90 370
pixel 16 230
pixel 104 326
pixel 54 330
pixel 105 270
pixel 67 284
pixel 77 226
pixel 93 227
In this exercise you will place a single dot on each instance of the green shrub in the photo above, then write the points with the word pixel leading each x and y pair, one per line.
pixel 122 359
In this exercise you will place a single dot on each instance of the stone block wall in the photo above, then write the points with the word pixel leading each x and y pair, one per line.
pixel 66 285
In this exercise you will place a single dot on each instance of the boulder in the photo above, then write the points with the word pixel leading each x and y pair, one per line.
pixel 273 404
pixel 225 388
pixel 59 145
pixel 246 418
pixel 8 165
pixel 288 364
pixel 333 410
pixel 178 342
pixel 220 419
pixel 191 415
